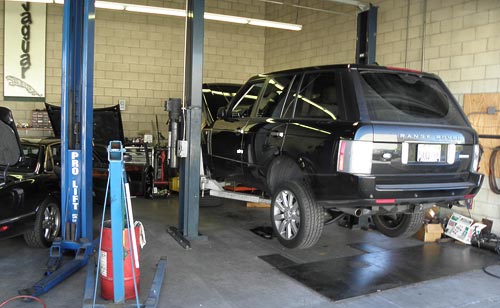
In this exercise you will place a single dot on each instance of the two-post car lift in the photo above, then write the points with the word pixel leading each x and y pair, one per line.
pixel 76 161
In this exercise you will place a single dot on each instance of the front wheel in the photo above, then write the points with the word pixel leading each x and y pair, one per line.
pixel 400 224
pixel 47 225
pixel 297 220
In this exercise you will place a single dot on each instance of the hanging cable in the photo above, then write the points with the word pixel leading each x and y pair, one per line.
pixel 23 297
pixel 492 178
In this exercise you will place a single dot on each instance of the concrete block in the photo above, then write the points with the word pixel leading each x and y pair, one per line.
pixel 467 8
pixel 440 39
pixel 462 61
pixel 487 58
pixel 494 15
pixel 450 75
pixel 487 31
pixel 485 86
pixel 460 86
pixel 494 43
pixel 434 28
pixel 439 64
pixel 124 84
pixel 473 73
pixel 463 35
pixel 477 19
pixel 441 14
pixel 432 52
pixel 493 71
pixel 112 92
pixel 475 46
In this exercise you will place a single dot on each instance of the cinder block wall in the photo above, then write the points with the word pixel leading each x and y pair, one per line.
pixel 462 45
pixel 140 58
pixel 326 38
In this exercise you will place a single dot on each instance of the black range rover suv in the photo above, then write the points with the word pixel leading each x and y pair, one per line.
pixel 363 140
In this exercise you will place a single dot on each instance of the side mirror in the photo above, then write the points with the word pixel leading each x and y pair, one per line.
pixel 221 113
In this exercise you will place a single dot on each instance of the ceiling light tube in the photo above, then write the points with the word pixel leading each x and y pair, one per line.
pixel 182 13
pixel 155 10
pixel 274 24
pixel 109 5
pixel 226 18
pixel 32 1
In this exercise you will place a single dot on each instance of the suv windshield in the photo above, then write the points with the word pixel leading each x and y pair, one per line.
pixel 406 97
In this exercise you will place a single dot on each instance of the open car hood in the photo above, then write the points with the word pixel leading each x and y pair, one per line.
pixel 10 146
pixel 107 123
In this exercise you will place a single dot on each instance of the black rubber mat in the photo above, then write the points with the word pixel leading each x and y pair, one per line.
pixel 381 270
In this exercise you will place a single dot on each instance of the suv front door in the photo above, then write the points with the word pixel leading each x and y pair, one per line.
pixel 226 136
pixel 265 131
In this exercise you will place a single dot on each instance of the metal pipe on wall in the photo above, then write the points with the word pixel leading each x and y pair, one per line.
pixel 424 35
pixel 407 32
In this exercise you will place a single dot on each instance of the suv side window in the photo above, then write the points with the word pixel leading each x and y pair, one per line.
pixel 244 104
pixel 274 96
pixel 318 97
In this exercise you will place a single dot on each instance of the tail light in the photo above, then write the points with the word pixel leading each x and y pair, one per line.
pixel 476 155
pixel 355 157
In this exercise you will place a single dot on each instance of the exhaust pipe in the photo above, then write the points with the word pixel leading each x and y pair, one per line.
pixel 357 212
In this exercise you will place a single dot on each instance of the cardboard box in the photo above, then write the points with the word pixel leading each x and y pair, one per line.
pixel 259 205
pixel 174 184
pixel 429 232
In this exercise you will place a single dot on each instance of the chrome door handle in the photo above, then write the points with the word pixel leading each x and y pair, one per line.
pixel 277 134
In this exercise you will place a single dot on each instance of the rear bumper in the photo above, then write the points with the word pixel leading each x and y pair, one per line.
pixel 17 225
pixel 358 191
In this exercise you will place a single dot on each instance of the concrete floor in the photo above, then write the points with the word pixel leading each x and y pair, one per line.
pixel 225 270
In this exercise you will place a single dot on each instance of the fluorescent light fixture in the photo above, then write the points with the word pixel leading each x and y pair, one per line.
pixel 33 1
pixel 226 18
pixel 182 13
pixel 109 5
pixel 155 10
pixel 275 24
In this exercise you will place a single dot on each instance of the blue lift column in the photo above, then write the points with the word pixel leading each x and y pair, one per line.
pixel 189 195
pixel 366 43
pixel 76 140
pixel 77 121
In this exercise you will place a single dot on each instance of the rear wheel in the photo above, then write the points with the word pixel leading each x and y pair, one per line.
pixel 148 183
pixel 400 224
pixel 47 225
pixel 297 220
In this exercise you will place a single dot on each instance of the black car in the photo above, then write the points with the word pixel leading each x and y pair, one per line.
pixel 361 140
pixel 108 126
pixel 29 187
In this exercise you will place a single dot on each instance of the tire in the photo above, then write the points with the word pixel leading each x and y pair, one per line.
pixel 147 189
pixel 281 170
pixel 399 225
pixel 47 225
pixel 299 224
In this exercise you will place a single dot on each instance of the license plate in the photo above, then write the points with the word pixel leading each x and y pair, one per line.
pixel 427 153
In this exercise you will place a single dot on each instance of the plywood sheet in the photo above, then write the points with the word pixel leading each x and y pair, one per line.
pixel 475 106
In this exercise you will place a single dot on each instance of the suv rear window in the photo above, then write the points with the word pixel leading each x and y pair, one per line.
pixel 404 97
